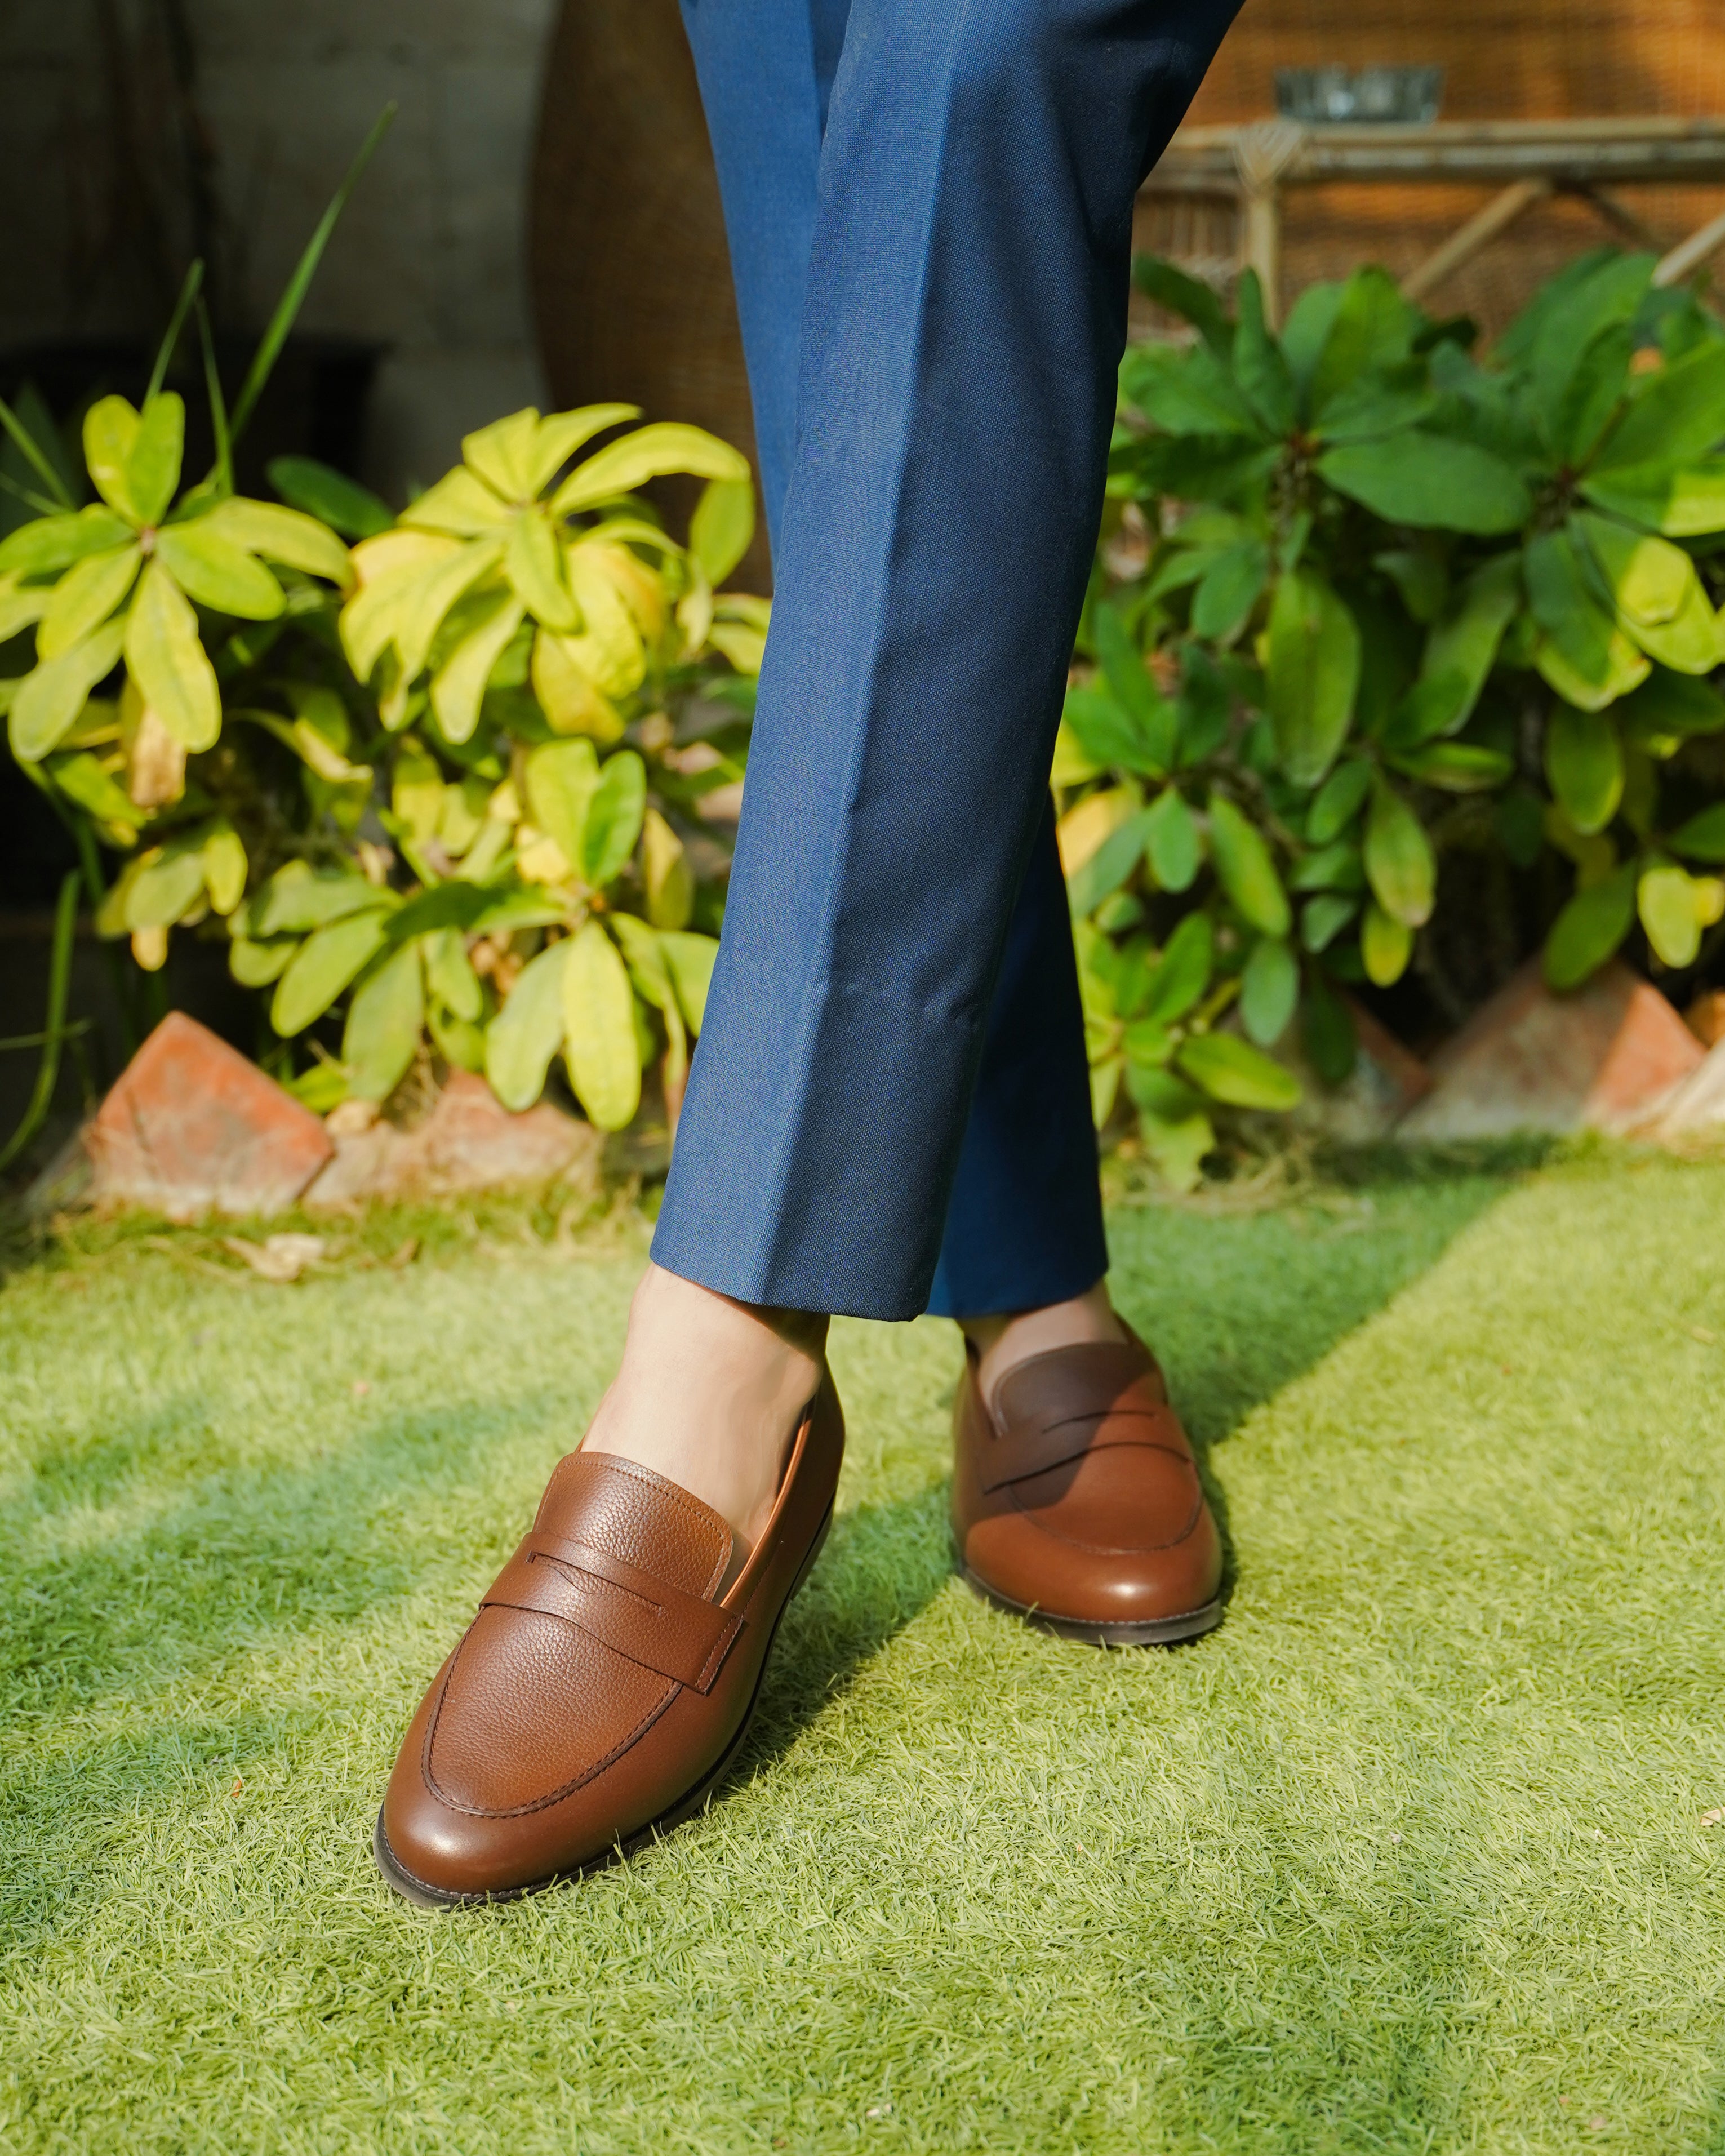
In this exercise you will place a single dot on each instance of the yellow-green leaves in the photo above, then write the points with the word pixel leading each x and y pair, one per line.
pixel 287 536
pixel 1583 763
pixel 649 453
pixel 1399 864
pixel 593 818
pixel 1231 1069
pixel 167 662
pixel 521 1039
pixel 722 526
pixel 213 570
pixel 1247 872
pixel 534 565
pixel 669 881
pixel 48 699
pixel 84 598
pixel 1385 945
pixel 457 688
pixel 325 963
pixel 689 960
pixel 1582 652
pixel 1660 598
pixel 1675 907
pixel 600 1043
pixel 384 1021
pixel 1312 675
pixel 133 459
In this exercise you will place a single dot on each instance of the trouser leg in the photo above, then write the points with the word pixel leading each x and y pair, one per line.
pixel 964 318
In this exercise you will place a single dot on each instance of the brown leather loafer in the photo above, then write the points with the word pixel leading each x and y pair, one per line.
pixel 601 1691
pixel 1076 1503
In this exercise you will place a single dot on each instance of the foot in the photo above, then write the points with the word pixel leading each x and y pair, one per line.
pixel 1004 1340
pixel 709 1395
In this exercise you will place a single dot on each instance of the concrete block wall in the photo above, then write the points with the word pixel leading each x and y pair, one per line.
pixel 430 255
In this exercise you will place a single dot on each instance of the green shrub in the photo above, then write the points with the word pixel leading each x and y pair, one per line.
pixel 1388 603
pixel 436 778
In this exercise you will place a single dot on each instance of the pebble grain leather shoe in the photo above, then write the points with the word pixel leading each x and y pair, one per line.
pixel 601 1690
pixel 1076 1501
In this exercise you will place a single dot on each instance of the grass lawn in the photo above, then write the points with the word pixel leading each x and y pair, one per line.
pixel 1407 1856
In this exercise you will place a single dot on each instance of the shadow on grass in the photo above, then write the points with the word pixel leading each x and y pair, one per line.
pixel 243 1555
pixel 1236 1308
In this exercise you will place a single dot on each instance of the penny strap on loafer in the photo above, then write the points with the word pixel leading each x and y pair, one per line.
pixel 1022 1449
pixel 655 1625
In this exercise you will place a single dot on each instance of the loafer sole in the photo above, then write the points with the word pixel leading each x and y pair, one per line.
pixel 1146 1632
pixel 424 1896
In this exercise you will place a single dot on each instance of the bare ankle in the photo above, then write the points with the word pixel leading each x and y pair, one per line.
pixel 1001 1339
pixel 710 1394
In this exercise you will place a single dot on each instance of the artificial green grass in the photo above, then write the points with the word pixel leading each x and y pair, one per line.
pixel 1407 1856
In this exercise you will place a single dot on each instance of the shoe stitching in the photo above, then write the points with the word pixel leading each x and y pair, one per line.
pixel 569 1788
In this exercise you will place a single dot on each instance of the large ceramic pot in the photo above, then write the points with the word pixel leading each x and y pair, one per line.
pixel 630 274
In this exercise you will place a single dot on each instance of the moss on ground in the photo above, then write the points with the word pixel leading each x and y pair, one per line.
pixel 1407 1856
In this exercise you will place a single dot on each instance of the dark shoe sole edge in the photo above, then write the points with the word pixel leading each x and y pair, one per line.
pixel 1147 1632
pixel 424 1896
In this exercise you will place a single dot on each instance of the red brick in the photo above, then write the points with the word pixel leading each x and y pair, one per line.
pixel 469 1141
pixel 193 1127
pixel 1529 1060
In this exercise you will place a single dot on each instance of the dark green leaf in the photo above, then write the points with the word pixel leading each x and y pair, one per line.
pixel 1594 392
pixel 1421 577
pixel 1110 735
pixel 1323 920
pixel 1259 366
pixel 1436 704
pixel 1128 676
pixel 1327 1030
pixel 1313 674
pixel 1306 331
pixel 1229 591
pixel 1374 405
pixel 1520 823
pixel 1205 706
pixel 1182 973
pixel 1338 802
pixel 1336 867
pixel 1589 929
pixel 1373 326
pixel 1171 288
pixel 1467 637
pixel 1190 392
pixel 1455 766
pixel 1702 838
pixel 1677 417
pixel 1223 468
pixel 329 495
pixel 1431 482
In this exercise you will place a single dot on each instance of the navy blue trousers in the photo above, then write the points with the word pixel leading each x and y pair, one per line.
pixel 929 209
